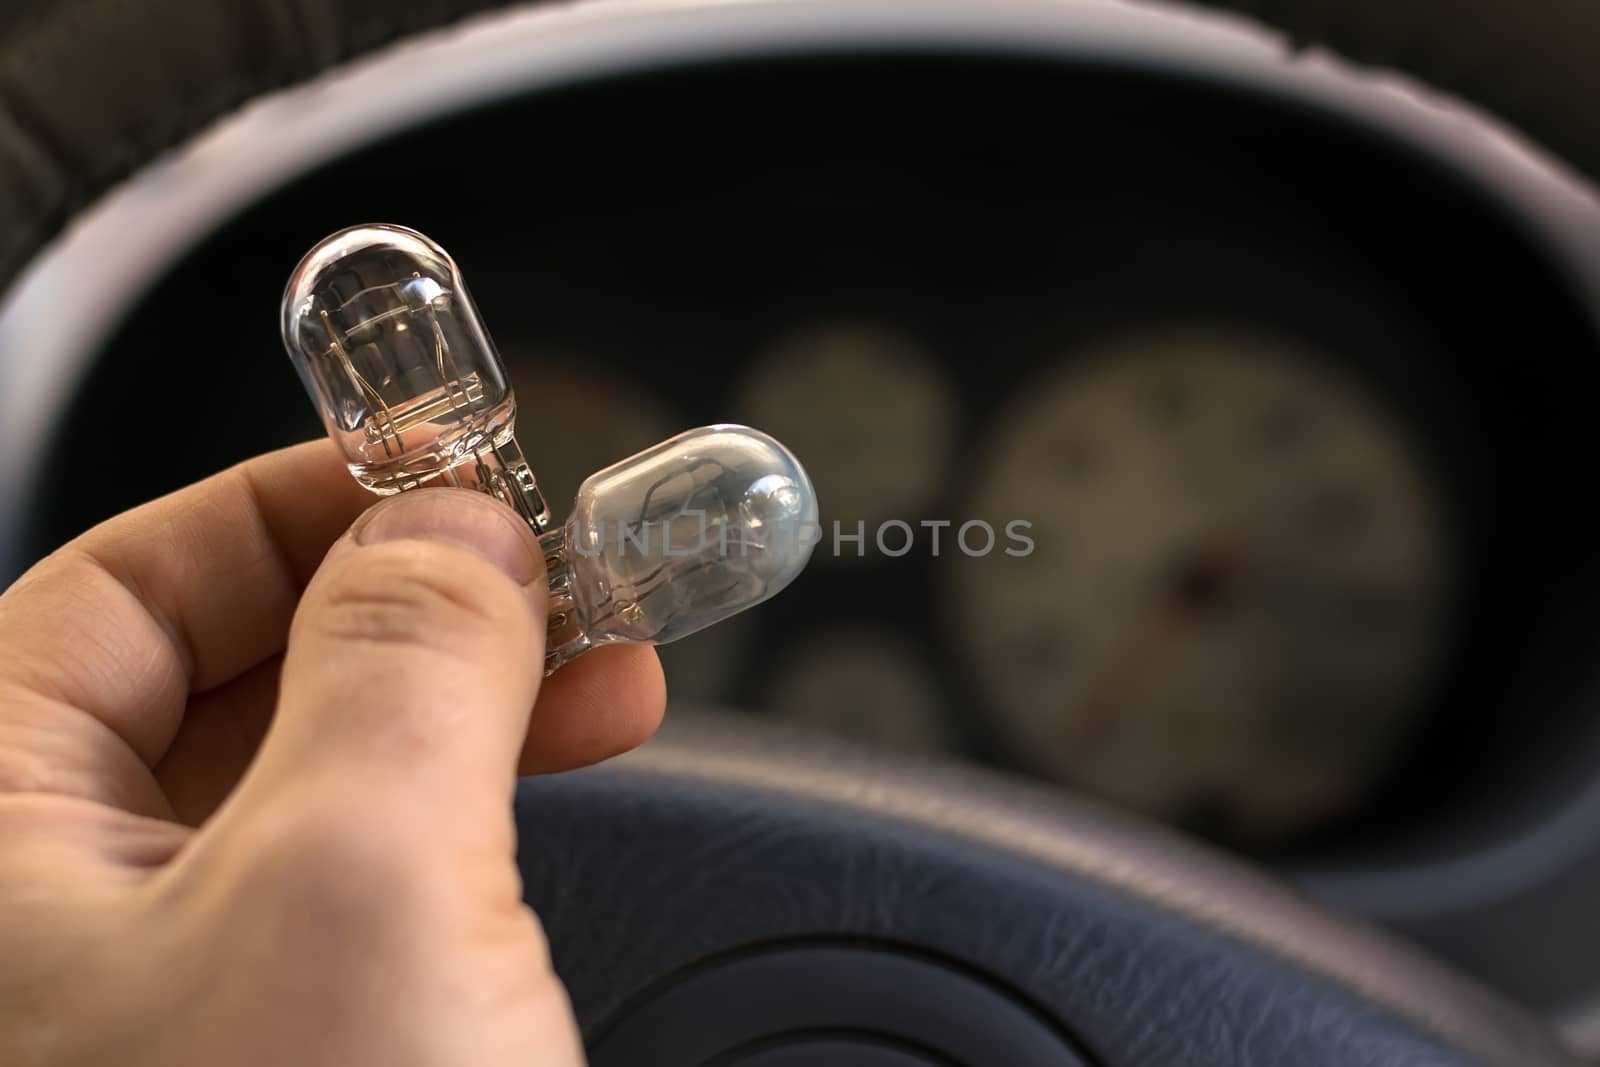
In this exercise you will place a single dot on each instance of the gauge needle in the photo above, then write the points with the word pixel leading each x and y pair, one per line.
pixel 1204 584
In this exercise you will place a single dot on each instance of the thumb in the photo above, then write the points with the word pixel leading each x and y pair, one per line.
pixel 412 665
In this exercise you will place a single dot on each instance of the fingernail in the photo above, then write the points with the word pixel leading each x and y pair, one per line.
pixel 458 517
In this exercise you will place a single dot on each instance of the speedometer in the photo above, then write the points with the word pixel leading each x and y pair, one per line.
pixel 1237 586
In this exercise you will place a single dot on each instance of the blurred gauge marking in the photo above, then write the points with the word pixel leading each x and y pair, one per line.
pixel 1249 576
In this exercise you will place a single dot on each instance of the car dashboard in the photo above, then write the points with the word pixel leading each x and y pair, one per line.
pixel 1213 445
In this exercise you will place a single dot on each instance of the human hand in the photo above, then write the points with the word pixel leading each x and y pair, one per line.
pixel 226 839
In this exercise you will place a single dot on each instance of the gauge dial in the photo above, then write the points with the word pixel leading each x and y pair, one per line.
pixel 868 414
pixel 1236 589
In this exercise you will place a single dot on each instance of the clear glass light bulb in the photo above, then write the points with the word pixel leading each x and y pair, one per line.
pixel 382 332
pixel 387 341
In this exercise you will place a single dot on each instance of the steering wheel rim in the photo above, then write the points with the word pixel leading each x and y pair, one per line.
pixel 1113 930
pixel 93 89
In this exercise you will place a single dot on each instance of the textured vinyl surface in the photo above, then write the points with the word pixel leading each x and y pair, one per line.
pixel 721 836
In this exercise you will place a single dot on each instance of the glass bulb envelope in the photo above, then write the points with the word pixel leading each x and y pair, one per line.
pixel 388 343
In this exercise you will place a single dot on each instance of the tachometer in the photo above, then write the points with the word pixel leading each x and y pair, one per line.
pixel 1237 587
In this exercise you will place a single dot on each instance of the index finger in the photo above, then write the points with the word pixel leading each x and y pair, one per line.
pixel 176 596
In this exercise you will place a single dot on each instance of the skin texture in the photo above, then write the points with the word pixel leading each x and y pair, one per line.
pixel 256 766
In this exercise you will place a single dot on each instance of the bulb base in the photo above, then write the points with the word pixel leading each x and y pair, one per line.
pixel 565 639
pixel 500 469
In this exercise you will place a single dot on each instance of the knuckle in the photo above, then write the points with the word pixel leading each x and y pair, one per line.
pixel 418 594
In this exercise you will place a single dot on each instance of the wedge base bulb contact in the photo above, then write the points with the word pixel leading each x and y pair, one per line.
pixel 387 341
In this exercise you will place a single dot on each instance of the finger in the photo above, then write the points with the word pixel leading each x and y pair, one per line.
pixel 604 703
pixel 182 593
pixel 412 665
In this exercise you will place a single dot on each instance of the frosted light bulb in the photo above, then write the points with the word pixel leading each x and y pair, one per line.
pixel 678 537
pixel 665 543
